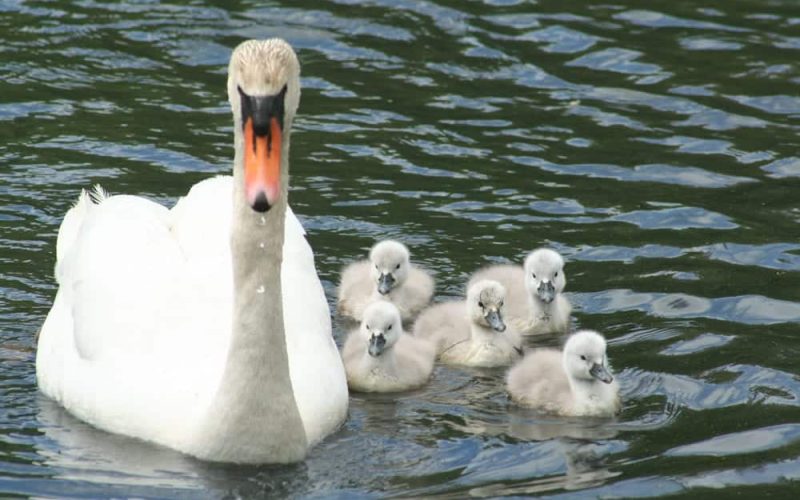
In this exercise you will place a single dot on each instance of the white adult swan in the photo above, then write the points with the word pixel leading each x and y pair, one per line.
pixel 203 328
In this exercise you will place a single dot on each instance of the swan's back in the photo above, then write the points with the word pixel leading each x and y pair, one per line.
pixel 145 301
pixel 443 324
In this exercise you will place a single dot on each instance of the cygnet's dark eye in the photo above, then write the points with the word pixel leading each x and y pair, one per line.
pixel 390 327
pixel 480 304
pixel 397 266
pixel 555 275
pixel 501 303
pixel 368 327
pixel 534 275
pixel 583 357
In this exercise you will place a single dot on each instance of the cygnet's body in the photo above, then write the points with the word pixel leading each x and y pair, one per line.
pixel 387 275
pixel 575 382
pixel 534 300
pixel 471 332
pixel 379 357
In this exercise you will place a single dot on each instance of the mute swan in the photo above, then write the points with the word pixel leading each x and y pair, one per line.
pixel 534 302
pixel 387 275
pixel 576 382
pixel 203 328
pixel 471 332
pixel 380 357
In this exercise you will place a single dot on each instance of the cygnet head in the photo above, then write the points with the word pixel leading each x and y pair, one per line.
pixel 485 304
pixel 544 274
pixel 381 327
pixel 390 265
pixel 585 357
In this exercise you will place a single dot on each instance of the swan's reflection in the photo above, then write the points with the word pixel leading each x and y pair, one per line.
pixel 81 454
pixel 579 445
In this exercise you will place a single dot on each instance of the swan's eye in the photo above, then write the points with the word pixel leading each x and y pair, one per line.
pixel 501 303
pixel 534 275
pixel 583 357
pixel 555 275
pixel 480 304
pixel 369 328
pixel 397 267
pixel 390 327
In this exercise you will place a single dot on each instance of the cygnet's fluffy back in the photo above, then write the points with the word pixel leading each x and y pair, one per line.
pixel 387 275
pixel 379 357
pixel 576 381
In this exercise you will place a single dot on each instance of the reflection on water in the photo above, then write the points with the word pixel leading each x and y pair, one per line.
pixel 654 146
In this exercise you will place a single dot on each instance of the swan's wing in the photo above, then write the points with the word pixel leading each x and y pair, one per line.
pixel 73 220
pixel 315 367
pixel 201 221
pixel 131 313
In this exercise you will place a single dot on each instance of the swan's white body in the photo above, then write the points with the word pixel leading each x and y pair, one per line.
pixel 562 382
pixel 140 333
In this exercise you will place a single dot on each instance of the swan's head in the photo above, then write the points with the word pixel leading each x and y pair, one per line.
pixel 264 91
pixel 381 326
pixel 544 274
pixel 390 265
pixel 585 357
pixel 485 304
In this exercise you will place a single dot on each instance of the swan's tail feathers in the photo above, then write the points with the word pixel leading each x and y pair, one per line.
pixel 98 194
pixel 73 220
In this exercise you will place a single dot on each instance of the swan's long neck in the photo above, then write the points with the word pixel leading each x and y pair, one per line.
pixel 254 411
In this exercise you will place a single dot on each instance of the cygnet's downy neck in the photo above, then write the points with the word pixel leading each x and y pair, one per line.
pixel 540 310
pixel 254 408
pixel 482 334
pixel 386 361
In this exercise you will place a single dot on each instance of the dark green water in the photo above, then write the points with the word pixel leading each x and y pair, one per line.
pixel 655 144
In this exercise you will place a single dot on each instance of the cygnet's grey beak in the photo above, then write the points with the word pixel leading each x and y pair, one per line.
pixel 385 283
pixel 600 372
pixel 376 345
pixel 495 320
pixel 547 292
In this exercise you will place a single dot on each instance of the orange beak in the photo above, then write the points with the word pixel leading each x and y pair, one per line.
pixel 262 165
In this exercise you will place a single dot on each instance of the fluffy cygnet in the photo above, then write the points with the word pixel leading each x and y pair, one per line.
pixel 534 302
pixel 379 357
pixel 471 332
pixel 387 275
pixel 575 382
